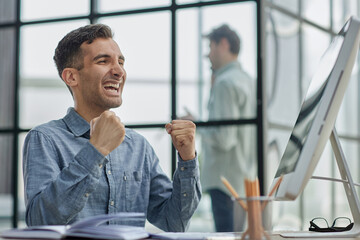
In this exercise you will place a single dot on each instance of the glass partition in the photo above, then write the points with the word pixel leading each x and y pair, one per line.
pixel 124 5
pixel 194 68
pixel 32 10
pixel 7 11
pixel 292 58
pixel 6 180
pixel 310 11
pixel 147 52
pixel 32 93
pixel 43 94
pixel 7 75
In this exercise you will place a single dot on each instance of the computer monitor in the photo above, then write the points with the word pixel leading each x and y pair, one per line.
pixel 318 112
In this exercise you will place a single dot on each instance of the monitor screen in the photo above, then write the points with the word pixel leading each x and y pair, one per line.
pixel 318 112
pixel 308 110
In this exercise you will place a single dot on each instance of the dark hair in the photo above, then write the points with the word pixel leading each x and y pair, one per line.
pixel 68 52
pixel 224 31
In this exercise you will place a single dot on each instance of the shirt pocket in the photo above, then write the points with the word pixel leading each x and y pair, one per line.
pixel 136 191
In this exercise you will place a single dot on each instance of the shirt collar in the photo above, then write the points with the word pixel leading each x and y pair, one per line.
pixel 226 67
pixel 77 125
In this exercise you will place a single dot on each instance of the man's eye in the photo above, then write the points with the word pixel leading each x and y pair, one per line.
pixel 121 63
pixel 102 61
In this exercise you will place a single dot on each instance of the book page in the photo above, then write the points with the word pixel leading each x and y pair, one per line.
pixel 36 232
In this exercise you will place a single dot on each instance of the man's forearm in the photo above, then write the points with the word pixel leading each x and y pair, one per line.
pixel 180 204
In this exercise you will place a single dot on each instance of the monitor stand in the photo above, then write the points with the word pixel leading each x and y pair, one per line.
pixel 350 194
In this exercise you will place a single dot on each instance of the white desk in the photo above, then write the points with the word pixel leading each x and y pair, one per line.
pixel 234 236
pixel 227 236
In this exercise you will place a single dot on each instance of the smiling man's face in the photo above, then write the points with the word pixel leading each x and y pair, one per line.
pixel 102 78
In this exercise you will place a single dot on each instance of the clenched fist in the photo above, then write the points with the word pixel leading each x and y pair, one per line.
pixel 183 137
pixel 107 132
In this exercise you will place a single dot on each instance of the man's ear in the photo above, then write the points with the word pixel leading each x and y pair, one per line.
pixel 70 77
pixel 224 43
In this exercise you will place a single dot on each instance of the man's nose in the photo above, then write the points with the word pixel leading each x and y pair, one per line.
pixel 118 70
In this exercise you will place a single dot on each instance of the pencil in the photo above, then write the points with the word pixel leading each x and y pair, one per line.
pixel 233 192
pixel 273 190
pixel 276 186
pixel 254 208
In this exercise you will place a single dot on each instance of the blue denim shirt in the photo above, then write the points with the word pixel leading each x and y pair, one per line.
pixel 67 179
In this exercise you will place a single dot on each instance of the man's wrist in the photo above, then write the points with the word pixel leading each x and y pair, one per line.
pixel 188 157
pixel 101 150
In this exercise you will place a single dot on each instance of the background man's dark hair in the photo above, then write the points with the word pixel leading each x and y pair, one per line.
pixel 68 52
pixel 224 31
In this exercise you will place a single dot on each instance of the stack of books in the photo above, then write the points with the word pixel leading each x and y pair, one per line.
pixel 90 228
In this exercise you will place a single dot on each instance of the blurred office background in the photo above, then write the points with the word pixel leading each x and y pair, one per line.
pixel 282 42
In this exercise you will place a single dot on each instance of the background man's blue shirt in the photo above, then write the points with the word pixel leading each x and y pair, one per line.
pixel 67 179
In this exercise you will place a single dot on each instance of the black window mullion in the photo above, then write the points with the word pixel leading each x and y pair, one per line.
pixel 173 78
pixel 15 157
pixel 93 11
pixel 260 101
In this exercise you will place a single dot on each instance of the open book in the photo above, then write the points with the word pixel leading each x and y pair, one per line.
pixel 88 228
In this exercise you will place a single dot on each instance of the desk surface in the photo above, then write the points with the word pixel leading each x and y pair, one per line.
pixel 278 237
pixel 237 236
pixel 228 236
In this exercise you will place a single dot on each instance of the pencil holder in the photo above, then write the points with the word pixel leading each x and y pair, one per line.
pixel 254 207
pixel 253 204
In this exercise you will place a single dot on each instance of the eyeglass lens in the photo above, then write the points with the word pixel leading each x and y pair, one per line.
pixel 320 222
pixel 341 222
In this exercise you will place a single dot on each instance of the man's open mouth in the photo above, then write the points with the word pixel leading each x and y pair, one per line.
pixel 113 87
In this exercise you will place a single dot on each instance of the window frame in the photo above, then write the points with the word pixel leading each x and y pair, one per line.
pixel 93 15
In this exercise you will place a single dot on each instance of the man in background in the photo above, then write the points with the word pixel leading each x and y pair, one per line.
pixel 88 163
pixel 228 151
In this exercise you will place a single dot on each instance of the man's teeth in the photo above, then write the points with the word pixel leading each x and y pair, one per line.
pixel 112 86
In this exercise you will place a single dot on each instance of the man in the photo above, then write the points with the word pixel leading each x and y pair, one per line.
pixel 228 151
pixel 88 163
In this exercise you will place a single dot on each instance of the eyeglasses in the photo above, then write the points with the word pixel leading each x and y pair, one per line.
pixel 340 224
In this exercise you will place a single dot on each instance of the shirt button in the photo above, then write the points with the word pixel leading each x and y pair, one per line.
pixel 87 194
pixel 125 178
pixel 109 172
pixel 184 194
pixel 112 203
pixel 100 165
pixel 182 168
